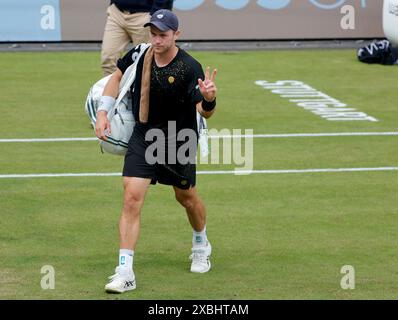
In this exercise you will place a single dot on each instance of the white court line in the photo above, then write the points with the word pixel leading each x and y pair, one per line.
pixel 235 172
pixel 281 135
pixel 300 135
pixel 48 140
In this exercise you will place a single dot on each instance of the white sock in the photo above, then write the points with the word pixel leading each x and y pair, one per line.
pixel 126 259
pixel 199 238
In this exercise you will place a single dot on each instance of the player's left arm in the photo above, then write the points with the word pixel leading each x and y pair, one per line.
pixel 208 89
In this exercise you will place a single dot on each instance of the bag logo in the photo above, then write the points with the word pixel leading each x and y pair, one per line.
pixel 393 9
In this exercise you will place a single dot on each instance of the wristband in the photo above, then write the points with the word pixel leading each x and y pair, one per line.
pixel 208 106
pixel 106 103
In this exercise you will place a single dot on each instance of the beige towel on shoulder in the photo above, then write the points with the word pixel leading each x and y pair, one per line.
pixel 145 86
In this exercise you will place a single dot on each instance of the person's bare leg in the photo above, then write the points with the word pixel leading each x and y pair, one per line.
pixel 129 230
pixel 129 225
pixel 194 207
pixel 196 212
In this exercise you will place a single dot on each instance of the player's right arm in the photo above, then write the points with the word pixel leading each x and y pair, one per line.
pixel 108 99
pixel 111 90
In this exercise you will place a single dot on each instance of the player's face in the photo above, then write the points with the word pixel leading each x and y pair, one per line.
pixel 163 41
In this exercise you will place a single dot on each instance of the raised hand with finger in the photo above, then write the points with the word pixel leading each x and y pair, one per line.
pixel 207 86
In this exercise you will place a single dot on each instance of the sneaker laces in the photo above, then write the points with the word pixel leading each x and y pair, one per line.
pixel 198 256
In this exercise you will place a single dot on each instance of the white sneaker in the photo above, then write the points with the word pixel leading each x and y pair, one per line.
pixel 200 258
pixel 121 282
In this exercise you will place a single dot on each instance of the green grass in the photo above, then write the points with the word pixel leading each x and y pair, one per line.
pixel 274 236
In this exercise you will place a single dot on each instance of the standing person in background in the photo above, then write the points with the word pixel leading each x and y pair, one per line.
pixel 125 23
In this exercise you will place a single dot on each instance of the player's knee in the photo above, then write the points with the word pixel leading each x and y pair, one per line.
pixel 132 201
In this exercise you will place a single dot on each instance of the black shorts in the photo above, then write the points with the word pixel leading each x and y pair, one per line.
pixel 182 176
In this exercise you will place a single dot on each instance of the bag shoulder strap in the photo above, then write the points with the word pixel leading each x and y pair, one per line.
pixel 130 73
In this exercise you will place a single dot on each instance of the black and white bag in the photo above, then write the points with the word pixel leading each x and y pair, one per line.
pixel 381 52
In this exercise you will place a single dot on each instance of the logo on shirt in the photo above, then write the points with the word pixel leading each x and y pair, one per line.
pixel 171 79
